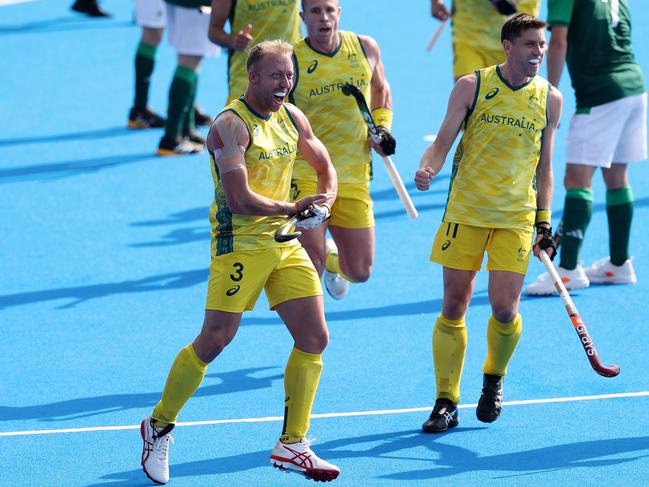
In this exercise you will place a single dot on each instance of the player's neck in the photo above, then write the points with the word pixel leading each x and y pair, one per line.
pixel 327 45
pixel 513 76
pixel 256 104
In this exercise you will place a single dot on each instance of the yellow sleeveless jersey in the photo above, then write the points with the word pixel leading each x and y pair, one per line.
pixel 270 19
pixel 493 183
pixel 477 23
pixel 269 160
pixel 335 118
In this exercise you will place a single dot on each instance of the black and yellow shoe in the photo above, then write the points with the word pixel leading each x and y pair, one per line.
pixel 146 118
pixel 444 417
pixel 90 8
pixel 178 147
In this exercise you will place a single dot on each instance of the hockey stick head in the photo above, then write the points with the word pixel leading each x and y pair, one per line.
pixel 284 234
pixel 603 370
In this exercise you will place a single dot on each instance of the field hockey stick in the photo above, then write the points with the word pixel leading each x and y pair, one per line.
pixel 282 233
pixel 584 337
pixel 436 35
pixel 397 182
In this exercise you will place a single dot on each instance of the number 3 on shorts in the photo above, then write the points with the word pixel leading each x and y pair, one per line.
pixel 236 277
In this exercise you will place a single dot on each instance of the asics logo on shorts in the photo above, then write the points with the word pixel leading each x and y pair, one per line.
pixel 491 94
pixel 446 245
pixel 233 290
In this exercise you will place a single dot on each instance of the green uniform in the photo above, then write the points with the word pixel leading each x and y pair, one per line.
pixel 600 59
pixel 269 157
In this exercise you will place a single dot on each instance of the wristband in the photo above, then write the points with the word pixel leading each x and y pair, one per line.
pixel 382 117
pixel 543 216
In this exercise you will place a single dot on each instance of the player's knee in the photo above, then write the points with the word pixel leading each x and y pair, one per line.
pixel 504 314
pixel 361 275
pixel 210 343
pixel 315 342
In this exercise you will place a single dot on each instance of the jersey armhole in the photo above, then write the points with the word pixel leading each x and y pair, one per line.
pixel 290 117
pixel 244 124
pixel 475 98
pixel 296 68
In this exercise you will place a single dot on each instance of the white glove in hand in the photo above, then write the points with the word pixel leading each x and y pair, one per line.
pixel 317 215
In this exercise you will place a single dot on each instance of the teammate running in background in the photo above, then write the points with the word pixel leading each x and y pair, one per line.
pixel 251 21
pixel 501 188
pixel 476 30
pixel 324 61
pixel 594 37
pixel 252 145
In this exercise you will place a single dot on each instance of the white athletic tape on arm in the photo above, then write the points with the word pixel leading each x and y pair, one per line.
pixel 231 156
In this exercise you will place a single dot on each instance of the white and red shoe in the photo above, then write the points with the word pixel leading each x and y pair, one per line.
pixel 572 279
pixel 298 457
pixel 155 452
pixel 604 272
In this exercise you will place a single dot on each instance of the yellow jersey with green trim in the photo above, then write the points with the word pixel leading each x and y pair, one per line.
pixel 477 23
pixel 334 117
pixel 493 182
pixel 270 19
pixel 269 159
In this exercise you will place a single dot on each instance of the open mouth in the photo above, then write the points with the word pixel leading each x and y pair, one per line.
pixel 324 30
pixel 534 62
pixel 279 96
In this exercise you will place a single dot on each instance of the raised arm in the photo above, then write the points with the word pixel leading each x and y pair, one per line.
pixel 459 104
pixel 237 41
pixel 315 153
pixel 228 140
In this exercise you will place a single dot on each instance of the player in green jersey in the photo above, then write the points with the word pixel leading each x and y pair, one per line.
pixel 608 131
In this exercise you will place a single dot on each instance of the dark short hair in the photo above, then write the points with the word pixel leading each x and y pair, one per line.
pixel 515 26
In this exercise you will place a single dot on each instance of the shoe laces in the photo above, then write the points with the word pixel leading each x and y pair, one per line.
pixel 161 446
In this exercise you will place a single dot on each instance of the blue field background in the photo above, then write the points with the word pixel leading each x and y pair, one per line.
pixel 104 252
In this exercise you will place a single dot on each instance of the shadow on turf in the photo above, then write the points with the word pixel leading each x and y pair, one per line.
pixel 80 294
pixel 229 383
pixel 445 460
pixel 85 135
pixel 62 24
pixel 58 170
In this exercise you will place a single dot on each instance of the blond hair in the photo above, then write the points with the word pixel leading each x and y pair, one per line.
pixel 264 48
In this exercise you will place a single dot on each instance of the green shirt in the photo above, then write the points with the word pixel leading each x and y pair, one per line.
pixel 600 59
pixel 190 3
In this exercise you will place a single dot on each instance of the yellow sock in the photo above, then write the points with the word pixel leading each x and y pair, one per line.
pixel 301 379
pixel 332 264
pixel 502 339
pixel 449 347
pixel 184 378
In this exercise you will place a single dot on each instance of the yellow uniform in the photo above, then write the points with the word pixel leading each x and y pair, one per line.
pixel 338 123
pixel 245 255
pixel 476 34
pixel 493 179
pixel 270 19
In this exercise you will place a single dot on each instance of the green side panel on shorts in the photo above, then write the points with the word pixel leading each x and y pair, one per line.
pixel 224 239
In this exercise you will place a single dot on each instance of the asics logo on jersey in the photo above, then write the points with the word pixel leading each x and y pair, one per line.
pixel 312 67
pixel 446 245
pixel 491 94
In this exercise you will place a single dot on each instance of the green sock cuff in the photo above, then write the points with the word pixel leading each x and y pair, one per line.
pixel 186 74
pixel 619 196
pixel 147 50
pixel 580 193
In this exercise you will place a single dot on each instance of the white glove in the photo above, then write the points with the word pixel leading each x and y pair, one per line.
pixel 317 215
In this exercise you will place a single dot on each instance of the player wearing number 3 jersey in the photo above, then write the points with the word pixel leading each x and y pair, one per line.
pixel 252 144
pixel 501 187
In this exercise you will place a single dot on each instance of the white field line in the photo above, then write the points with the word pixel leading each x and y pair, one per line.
pixel 329 415
pixel 5 3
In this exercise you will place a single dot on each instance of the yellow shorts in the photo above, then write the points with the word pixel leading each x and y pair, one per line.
pixel 236 279
pixel 468 59
pixel 462 247
pixel 353 207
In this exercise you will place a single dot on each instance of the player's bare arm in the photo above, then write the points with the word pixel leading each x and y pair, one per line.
pixel 544 176
pixel 381 98
pixel 236 41
pixel 459 104
pixel 556 55
pixel 228 140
